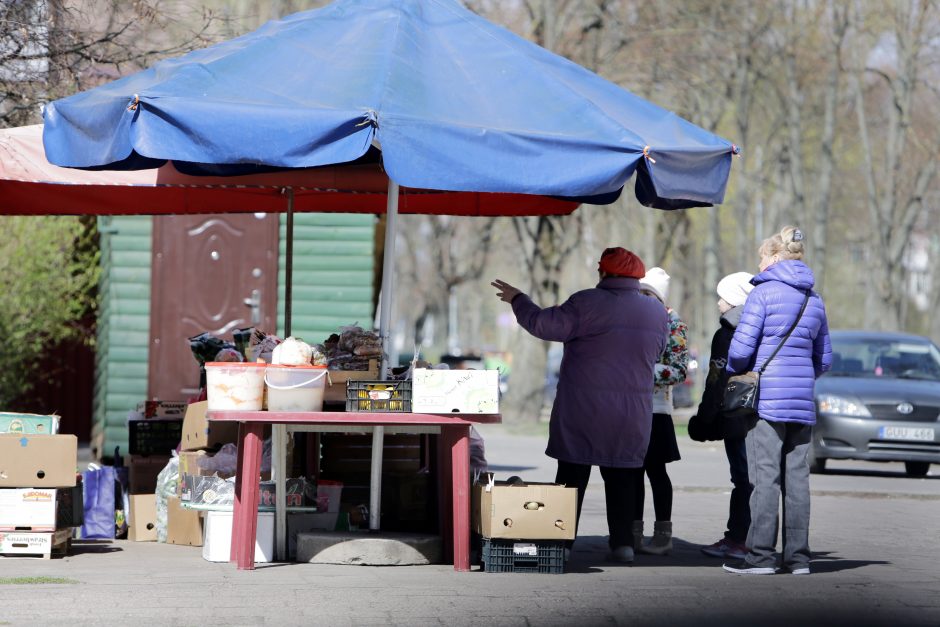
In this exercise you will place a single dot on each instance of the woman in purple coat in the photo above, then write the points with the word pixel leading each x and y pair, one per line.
pixel 613 335
pixel 779 440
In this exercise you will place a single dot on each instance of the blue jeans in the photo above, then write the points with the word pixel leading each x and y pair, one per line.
pixel 739 508
pixel 777 466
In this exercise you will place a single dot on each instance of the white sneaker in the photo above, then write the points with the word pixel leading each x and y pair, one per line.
pixel 741 567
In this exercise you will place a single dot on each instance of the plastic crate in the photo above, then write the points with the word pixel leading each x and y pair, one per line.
pixel 154 436
pixel 378 396
pixel 523 556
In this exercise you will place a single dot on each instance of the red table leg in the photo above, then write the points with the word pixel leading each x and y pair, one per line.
pixel 456 440
pixel 245 514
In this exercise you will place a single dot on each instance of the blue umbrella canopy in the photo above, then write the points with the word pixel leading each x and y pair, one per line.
pixel 452 101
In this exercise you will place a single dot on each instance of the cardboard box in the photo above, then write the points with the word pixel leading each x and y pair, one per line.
pixel 336 381
pixel 530 511
pixel 28 509
pixel 142 521
pixel 40 509
pixel 143 471
pixel 189 463
pixel 299 492
pixel 199 433
pixel 455 391
pixel 162 409
pixel 33 543
pixel 183 526
pixel 30 424
pixel 38 461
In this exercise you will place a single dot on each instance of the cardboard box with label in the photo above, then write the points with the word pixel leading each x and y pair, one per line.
pixel 524 511
pixel 199 433
pixel 34 543
pixel 30 424
pixel 455 391
pixel 162 409
pixel 142 521
pixel 28 509
pixel 38 461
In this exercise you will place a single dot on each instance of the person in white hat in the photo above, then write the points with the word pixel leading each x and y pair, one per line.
pixel 709 424
pixel 663 448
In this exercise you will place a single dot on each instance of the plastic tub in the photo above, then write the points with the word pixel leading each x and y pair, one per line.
pixel 295 388
pixel 235 385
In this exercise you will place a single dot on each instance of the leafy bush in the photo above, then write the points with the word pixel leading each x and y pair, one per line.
pixel 48 285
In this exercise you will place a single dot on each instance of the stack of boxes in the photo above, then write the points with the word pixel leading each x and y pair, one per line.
pixel 40 498
pixel 151 439
pixel 524 526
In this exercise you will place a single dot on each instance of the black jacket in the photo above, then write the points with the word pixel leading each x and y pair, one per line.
pixel 708 423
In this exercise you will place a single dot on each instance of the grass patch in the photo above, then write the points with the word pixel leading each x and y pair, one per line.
pixel 26 581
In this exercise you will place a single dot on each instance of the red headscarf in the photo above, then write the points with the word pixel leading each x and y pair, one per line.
pixel 621 262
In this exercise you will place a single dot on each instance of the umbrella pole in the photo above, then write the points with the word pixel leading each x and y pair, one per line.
pixel 388 265
pixel 378 432
pixel 289 265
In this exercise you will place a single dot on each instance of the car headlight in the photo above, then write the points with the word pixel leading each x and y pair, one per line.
pixel 832 404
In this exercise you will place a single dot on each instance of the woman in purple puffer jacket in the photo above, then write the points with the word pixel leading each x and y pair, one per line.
pixel 779 440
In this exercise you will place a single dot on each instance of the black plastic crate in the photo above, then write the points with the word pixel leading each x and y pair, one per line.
pixel 378 396
pixel 154 436
pixel 523 556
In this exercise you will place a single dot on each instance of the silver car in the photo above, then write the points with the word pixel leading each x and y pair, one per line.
pixel 880 401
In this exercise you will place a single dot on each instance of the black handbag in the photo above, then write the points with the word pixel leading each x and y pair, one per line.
pixel 742 393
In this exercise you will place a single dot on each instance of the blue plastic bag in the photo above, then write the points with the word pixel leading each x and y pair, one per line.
pixel 102 489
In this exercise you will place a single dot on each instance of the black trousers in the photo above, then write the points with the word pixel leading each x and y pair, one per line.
pixel 620 491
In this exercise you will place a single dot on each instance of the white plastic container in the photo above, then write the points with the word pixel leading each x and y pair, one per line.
pixel 235 385
pixel 295 388
pixel 217 538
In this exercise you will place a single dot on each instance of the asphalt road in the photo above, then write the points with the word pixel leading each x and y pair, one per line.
pixel 873 532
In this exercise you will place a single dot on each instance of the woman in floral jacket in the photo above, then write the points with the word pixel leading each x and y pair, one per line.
pixel 663 448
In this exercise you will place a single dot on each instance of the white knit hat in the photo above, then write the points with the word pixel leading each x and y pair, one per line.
pixel 656 281
pixel 735 287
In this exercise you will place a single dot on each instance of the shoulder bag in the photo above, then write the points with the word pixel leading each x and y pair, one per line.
pixel 742 392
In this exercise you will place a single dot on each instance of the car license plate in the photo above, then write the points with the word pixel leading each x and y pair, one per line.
pixel 925 434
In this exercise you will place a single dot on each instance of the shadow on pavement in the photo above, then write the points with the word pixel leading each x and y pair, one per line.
pixel 824 562
pixel 93 546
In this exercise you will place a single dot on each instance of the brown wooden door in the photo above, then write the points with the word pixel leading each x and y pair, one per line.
pixel 205 268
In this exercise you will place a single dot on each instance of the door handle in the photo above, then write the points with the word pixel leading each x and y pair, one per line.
pixel 254 302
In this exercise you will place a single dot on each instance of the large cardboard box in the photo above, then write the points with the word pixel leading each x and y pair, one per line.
pixel 455 391
pixel 183 526
pixel 336 381
pixel 530 511
pixel 142 521
pixel 199 433
pixel 38 461
pixel 32 424
pixel 143 471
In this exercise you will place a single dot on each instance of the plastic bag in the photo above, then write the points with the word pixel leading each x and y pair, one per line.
pixel 167 482
pixel 104 495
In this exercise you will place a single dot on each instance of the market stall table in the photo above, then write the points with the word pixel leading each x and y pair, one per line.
pixel 454 430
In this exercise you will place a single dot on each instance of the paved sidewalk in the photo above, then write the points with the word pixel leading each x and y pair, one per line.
pixel 873 533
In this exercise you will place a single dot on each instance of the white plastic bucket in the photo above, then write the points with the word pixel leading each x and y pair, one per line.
pixel 235 385
pixel 295 388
